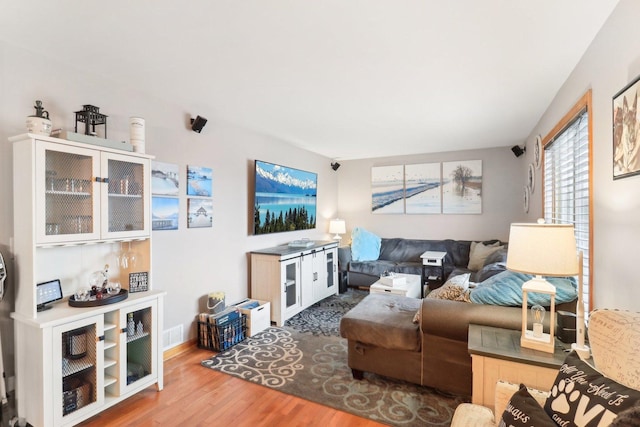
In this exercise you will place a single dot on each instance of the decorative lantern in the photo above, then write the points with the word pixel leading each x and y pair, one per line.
pixel 536 338
pixel 91 117
pixel 542 250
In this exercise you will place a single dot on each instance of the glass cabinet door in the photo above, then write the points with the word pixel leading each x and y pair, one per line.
pixel 291 297
pixel 137 346
pixel 66 193
pixel 77 360
pixel 126 213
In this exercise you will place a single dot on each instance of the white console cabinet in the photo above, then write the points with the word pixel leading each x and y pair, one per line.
pixel 72 363
pixel 293 279
pixel 77 208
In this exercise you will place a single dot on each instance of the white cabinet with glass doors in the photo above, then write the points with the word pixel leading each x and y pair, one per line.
pixel 70 370
pixel 85 194
pixel 77 206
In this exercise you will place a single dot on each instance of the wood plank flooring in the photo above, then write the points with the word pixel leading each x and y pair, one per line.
pixel 197 396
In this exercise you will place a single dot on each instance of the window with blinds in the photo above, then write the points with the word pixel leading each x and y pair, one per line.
pixel 566 187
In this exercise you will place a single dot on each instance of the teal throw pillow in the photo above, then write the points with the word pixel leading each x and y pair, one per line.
pixel 505 288
pixel 365 246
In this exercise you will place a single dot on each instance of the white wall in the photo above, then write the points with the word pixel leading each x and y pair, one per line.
pixel 610 63
pixel 187 263
pixel 503 178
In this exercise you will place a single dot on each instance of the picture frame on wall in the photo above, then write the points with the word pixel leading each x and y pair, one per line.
pixel 423 192
pixel 387 189
pixel 626 126
pixel 462 187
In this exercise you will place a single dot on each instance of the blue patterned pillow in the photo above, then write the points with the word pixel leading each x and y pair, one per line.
pixel 505 288
pixel 365 246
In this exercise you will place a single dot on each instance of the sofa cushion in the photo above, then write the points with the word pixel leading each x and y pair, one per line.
pixel 524 410
pixel 452 289
pixel 479 253
pixel 376 268
pixel 582 396
pixel 490 270
pixel 365 246
pixel 505 288
pixel 383 320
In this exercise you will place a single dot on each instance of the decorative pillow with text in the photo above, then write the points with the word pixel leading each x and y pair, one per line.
pixel 582 396
pixel 524 410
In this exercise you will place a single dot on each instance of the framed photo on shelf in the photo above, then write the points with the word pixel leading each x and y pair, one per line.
pixel 138 282
pixel 626 156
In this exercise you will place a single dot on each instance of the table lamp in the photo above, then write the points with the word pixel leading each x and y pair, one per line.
pixel 541 250
pixel 337 226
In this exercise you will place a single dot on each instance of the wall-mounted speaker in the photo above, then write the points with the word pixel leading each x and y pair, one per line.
pixel 198 123
pixel 518 151
pixel 335 166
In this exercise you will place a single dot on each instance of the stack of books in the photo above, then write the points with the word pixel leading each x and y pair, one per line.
pixel 221 331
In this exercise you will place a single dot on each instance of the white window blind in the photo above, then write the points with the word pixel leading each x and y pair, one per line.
pixel 566 186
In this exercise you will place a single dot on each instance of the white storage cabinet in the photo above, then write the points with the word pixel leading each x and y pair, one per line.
pixel 292 279
pixel 75 206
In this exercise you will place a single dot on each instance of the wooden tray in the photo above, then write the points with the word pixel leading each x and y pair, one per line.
pixel 106 299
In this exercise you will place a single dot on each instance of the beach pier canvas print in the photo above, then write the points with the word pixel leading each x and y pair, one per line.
pixel 165 179
pixel 462 187
pixel 422 188
pixel 200 213
pixel 164 213
pixel 199 181
pixel 285 198
pixel 387 189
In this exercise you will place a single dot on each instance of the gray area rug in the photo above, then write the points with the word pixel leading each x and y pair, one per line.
pixel 308 359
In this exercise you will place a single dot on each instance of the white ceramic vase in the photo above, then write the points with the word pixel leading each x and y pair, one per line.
pixel 39 125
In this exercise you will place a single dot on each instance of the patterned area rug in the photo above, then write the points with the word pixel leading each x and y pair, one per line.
pixel 307 358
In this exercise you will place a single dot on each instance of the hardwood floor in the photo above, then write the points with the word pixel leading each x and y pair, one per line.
pixel 196 396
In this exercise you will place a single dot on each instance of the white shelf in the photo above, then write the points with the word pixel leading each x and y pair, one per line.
pixel 109 380
pixel 109 362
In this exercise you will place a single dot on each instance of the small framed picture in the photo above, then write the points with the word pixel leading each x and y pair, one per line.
pixel 138 282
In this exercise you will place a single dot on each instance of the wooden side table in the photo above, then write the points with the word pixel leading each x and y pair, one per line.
pixel 496 355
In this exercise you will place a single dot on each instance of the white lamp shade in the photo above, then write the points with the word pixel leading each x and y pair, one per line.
pixel 543 249
pixel 337 226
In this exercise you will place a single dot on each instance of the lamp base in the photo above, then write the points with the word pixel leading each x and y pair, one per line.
pixel 337 237
pixel 544 343
pixel 583 351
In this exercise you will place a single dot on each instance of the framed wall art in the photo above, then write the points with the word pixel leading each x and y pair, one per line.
pixel 387 189
pixel 626 158
pixel 422 188
pixel 199 181
pixel 200 213
pixel 165 212
pixel 284 200
pixel 165 179
pixel 462 187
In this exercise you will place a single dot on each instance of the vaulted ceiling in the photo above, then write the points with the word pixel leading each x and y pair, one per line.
pixel 344 78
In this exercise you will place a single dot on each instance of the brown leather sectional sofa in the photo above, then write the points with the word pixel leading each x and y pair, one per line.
pixel 383 339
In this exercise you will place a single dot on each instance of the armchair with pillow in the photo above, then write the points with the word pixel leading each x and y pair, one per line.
pixel 603 391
